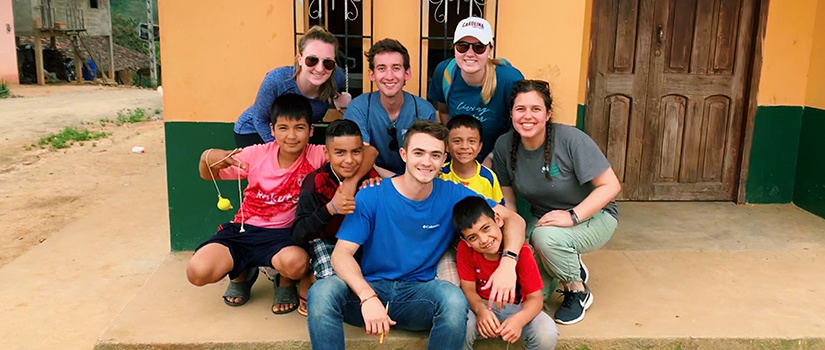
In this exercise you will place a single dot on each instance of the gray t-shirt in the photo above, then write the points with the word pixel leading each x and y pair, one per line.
pixel 576 162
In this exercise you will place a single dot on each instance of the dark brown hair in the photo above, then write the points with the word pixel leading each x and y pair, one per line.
pixel 387 45
pixel 543 89
pixel 433 129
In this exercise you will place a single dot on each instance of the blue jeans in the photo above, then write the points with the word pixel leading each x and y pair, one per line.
pixel 539 334
pixel 437 306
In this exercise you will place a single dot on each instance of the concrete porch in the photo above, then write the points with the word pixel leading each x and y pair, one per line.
pixel 675 276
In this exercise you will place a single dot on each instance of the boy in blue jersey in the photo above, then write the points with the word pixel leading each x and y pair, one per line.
pixel 464 144
pixel 403 227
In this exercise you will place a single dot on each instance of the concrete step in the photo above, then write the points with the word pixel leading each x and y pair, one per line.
pixel 642 300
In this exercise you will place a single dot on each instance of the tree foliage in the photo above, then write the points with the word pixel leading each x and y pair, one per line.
pixel 125 33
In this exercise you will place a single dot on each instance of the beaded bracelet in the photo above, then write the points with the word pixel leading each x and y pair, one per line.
pixel 368 298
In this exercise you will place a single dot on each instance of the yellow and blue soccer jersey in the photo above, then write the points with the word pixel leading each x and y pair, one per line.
pixel 484 182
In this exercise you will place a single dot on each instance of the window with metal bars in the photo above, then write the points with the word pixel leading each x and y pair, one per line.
pixel 438 21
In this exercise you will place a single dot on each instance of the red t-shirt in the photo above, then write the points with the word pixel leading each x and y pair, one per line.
pixel 271 197
pixel 473 267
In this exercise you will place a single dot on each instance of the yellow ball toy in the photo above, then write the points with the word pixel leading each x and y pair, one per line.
pixel 224 204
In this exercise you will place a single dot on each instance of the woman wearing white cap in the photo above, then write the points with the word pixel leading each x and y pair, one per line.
pixel 474 82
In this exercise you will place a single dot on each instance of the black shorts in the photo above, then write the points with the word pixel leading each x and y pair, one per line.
pixel 252 248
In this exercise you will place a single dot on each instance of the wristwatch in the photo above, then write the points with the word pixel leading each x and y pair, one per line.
pixel 573 216
pixel 510 254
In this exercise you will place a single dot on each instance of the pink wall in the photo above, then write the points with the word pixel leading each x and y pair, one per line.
pixel 8 53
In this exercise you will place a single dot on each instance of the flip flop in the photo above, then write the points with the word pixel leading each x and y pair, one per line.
pixel 241 290
pixel 284 295
pixel 302 305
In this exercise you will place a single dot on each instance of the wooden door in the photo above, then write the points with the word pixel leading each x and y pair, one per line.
pixel 667 94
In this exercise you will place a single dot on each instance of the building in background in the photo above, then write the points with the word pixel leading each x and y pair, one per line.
pixel 77 20
pixel 690 100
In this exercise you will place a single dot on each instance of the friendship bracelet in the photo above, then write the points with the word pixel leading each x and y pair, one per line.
pixel 335 210
pixel 368 298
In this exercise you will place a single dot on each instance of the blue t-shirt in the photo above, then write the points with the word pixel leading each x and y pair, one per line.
pixel 466 99
pixel 277 82
pixel 403 239
pixel 366 111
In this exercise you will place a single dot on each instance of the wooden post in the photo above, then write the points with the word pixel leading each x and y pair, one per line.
pixel 111 59
pixel 78 61
pixel 38 58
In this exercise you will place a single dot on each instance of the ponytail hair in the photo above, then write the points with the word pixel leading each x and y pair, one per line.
pixel 488 84
pixel 328 90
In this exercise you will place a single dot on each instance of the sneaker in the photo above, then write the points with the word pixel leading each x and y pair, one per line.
pixel 573 306
pixel 583 272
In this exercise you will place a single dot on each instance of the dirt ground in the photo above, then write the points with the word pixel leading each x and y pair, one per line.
pixel 42 190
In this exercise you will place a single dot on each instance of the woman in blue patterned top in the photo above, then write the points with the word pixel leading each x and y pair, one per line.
pixel 313 76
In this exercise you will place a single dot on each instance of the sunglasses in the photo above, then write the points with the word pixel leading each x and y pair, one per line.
pixel 391 130
pixel 463 46
pixel 311 61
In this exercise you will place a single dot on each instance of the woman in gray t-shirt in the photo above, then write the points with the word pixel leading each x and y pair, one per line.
pixel 570 186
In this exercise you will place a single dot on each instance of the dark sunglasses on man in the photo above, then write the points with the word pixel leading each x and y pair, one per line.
pixel 391 130
pixel 463 46
pixel 311 61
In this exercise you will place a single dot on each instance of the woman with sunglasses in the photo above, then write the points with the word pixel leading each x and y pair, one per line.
pixel 570 186
pixel 314 76
pixel 474 82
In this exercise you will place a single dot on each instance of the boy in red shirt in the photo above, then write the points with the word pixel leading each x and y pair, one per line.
pixel 259 233
pixel 477 258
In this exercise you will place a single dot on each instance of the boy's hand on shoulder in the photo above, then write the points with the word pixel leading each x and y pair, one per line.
pixel 510 330
pixel 341 203
pixel 487 323
pixel 371 182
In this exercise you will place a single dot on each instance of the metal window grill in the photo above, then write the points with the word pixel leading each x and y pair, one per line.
pixel 441 17
pixel 345 20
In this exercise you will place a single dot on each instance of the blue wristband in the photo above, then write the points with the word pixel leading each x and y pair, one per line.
pixel 334 209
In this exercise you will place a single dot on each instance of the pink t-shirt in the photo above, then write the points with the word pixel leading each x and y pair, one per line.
pixel 271 197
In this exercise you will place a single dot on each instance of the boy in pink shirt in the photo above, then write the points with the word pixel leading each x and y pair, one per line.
pixel 259 235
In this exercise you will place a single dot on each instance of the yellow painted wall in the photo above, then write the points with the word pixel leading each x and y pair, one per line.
pixel 588 18
pixel 215 54
pixel 815 91
pixel 786 54
pixel 543 39
pixel 399 20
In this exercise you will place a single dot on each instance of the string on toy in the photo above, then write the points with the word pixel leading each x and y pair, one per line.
pixel 240 193
pixel 240 201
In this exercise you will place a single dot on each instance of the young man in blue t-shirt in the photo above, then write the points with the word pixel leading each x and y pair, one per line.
pixel 403 227
pixel 385 116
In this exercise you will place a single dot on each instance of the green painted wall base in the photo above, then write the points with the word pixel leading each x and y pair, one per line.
pixel 193 214
pixel 772 169
pixel 581 113
pixel 809 189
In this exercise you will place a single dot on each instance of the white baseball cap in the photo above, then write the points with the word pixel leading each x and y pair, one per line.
pixel 475 27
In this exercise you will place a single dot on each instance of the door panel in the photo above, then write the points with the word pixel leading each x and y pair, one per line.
pixel 671 123
pixel 620 54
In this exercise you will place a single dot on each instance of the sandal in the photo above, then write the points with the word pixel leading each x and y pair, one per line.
pixel 241 290
pixel 302 305
pixel 284 295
